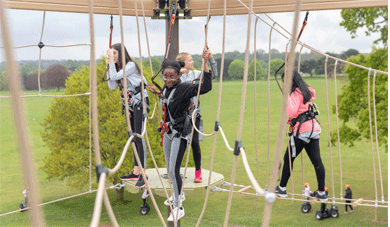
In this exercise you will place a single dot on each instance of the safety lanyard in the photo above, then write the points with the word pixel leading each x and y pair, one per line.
pixel 299 36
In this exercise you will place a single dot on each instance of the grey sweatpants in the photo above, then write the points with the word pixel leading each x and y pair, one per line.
pixel 174 151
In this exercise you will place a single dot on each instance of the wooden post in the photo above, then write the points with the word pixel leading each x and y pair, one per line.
pixel 174 47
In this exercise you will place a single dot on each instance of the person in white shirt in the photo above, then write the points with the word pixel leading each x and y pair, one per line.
pixel 134 96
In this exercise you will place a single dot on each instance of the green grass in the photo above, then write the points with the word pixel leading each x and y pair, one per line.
pixel 246 210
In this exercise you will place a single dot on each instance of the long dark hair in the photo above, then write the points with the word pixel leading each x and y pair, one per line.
pixel 118 66
pixel 298 82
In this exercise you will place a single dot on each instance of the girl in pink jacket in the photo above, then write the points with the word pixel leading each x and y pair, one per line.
pixel 305 133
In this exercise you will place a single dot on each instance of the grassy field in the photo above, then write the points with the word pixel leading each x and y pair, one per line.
pixel 246 210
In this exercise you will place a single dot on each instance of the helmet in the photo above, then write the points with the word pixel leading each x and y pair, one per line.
pixel 326 189
pixel 347 186
pixel 306 184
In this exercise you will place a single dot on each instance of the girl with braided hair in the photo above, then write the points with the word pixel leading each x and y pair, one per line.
pixel 175 99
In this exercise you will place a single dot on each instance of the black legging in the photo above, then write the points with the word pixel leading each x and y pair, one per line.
pixel 195 145
pixel 313 151
pixel 346 205
pixel 136 122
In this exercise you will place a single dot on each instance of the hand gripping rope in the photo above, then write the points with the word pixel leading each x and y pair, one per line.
pixel 299 36
pixel 109 44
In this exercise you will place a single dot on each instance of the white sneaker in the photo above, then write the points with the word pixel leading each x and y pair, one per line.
pixel 181 214
pixel 166 203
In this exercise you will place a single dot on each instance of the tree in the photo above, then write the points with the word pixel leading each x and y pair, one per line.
pixel 226 64
pixel 320 65
pixel 349 53
pixel 3 80
pixel 72 65
pixel 26 70
pixel 353 103
pixel 275 65
pixel 236 69
pixel 251 70
pixel 156 64
pixel 32 82
pixel 308 67
pixel 373 19
pixel 66 132
pixel 55 77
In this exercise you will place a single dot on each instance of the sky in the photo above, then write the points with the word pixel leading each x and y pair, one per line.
pixel 322 32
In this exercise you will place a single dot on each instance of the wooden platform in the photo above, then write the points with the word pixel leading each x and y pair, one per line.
pixel 189 185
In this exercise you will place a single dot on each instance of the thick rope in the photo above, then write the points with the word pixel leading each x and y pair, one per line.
pixel 144 111
pixel 338 130
pixel 311 48
pixel 204 61
pixel 277 24
pixel 376 136
pixel 56 96
pixel 288 141
pixel 159 175
pixel 254 95
pixel 36 215
pixel 289 160
pixel 218 113
pixel 193 119
pixel 283 115
pixel 150 62
pixel 90 131
pixel 341 60
pixel 328 116
pixel 299 60
pixel 34 45
pixel 40 55
pixel 304 200
pixel 99 195
pixel 97 209
pixel 241 119
pixel 303 177
pixel 269 105
pixel 57 200
pixel 369 121
pixel 109 210
pixel 224 139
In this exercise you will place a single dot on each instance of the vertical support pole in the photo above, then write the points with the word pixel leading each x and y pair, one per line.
pixel 174 42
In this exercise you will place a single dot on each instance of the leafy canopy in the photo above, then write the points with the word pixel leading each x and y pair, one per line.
pixel 66 131
pixel 236 69
pixel 251 70
pixel 353 100
pixel 373 19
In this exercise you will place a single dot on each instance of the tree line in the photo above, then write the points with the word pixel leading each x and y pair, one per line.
pixel 55 75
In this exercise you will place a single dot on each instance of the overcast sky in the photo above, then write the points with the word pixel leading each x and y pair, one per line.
pixel 323 32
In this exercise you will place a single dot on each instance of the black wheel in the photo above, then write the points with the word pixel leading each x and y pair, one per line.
pixel 319 215
pixel 334 213
pixel 305 208
pixel 145 209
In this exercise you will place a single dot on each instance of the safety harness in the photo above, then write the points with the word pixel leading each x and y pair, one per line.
pixel 168 127
pixel 129 94
pixel 310 114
